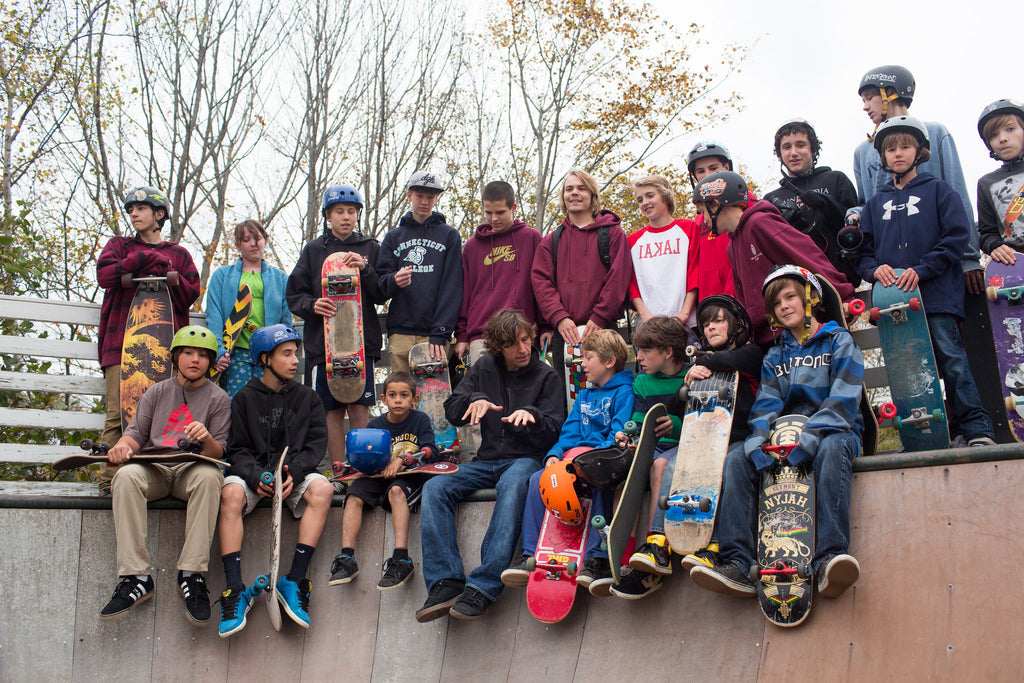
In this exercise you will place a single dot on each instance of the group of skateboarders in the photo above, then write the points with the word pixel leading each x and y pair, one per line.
pixel 742 281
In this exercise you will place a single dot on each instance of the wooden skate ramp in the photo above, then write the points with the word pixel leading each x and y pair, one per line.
pixel 939 598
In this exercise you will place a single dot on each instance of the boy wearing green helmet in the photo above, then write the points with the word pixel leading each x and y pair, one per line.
pixel 185 406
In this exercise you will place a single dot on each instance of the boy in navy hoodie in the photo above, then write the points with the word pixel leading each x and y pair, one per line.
pixel 917 222
pixel 420 270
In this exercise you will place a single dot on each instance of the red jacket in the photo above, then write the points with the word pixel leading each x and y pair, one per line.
pixel 714 274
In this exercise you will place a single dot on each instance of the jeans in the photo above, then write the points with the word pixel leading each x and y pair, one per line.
pixel 533 518
pixel 441 559
pixel 960 387
pixel 741 483
pixel 658 520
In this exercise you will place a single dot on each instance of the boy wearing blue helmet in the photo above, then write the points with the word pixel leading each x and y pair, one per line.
pixel 267 415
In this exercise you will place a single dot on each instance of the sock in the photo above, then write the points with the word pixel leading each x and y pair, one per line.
pixel 300 562
pixel 401 554
pixel 233 570
pixel 351 552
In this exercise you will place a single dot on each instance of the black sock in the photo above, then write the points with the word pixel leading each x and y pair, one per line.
pixel 233 570
pixel 351 552
pixel 300 562
pixel 400 554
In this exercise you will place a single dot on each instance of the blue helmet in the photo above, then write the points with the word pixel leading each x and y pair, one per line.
pixel 368 450
pixel 266 339
pixel 337 194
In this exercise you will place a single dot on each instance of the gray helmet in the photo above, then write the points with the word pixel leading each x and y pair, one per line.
pixel 425 180
pixel 890 76
pixel 151 196
pixel 725 187
pixel 995 109
pixel 906 124
pixel 707 148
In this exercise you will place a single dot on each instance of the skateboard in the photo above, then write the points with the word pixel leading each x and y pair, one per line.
pixel 575 378
pixel 343 332
pixel 785 524
pixel 274 599
pixel 551 588
pixel 434 387
pixel 1005 291
pixel 238 320
pixel 412 463
pixel 910 366
pixel 98 454
pixel 619 532
pixel 146 349
pixel 833 305
pixel 692 502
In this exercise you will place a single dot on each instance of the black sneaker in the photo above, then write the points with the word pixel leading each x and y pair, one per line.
pixel 653 556
pixel 836 574
pixel 635 584
pixel 197 598
pixel 129 593
pixel 396 572
pixel 707 557
pixel 471 605
pixel 597 575
pixel 442 596
pixel 727 579
pixel 343 569
pixel 517 575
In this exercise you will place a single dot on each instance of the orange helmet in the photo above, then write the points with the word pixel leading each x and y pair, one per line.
pixel 560 492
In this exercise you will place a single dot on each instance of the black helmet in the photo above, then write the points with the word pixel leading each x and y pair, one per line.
pixel 707 148
pixel 725 187
pixel 798 126
pixel 148 195
pixel 906 124
pixel 890 76
pixel 996 109
pixel 738 336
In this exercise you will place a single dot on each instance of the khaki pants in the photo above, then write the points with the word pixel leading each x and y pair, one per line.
pixel 112 427
pixel 135 484
pixel 399 346
pixel 469 435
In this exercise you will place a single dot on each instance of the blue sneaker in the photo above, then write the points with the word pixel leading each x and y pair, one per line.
pixel 234 606
pixel 294 598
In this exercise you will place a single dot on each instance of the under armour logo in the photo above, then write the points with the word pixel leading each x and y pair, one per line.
pixel 910 206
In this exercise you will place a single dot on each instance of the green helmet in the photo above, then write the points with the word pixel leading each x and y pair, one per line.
pixel 195 336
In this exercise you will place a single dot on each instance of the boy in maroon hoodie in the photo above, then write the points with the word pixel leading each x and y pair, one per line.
pixel 582 281
pixel 496 264
pixel 760 239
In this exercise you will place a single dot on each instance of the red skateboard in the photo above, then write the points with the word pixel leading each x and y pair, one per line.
pixel 343 331
pixel 551 588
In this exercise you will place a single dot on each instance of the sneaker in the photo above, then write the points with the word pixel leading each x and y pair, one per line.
pixel 197 598
pixel 707 557
pixel 837 573
pixel 294 598
pixel 981 441
pixel 517 575
pixel 470 605
pixel 396 572
pixel 727 579
pixel 343 569
pixel 635 584
pixel 653 556
pixel 442 596
pixel 234 606
pixel 596 576
pixel 130 592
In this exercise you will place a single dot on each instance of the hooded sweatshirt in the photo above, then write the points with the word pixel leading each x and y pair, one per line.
pixel 496 274
pixel 597 414
pixel 997 191
pixel 583 289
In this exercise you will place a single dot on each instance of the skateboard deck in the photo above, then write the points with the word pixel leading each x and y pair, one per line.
pixel 692 503
pixel 434 387
pixel 910 366
pixel 786 528
pixel 343 332
pixel 833 305
pixel 273 596
pixel 429 469
pixel 99 455
pixel 575 378
pixel 620 530
pixel 551 588
pixel 1005 291
pixel 238 320
pixel 146 349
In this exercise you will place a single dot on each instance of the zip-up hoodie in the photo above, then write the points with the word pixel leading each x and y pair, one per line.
pixel 429 306
pixel 222 291
pixel 923 227
pixel 534 388
pixel 822 379
pixel 264 421
pixel 597 414
pixel 496 275
pixel 996 191
pixel 304 288
pixel 583 289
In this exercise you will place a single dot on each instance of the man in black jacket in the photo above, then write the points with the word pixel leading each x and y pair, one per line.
pixel 517 401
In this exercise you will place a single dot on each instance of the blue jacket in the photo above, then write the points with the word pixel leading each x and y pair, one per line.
pixel 430 305
pixel 222 292
pixel 822 379
pixel 923 227
pixel 598 413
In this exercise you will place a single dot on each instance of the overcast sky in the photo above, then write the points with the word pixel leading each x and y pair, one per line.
pixel 806 59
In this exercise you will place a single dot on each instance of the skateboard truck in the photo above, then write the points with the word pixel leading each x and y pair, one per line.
pixel 150 282
pixel 430 368
pixel 600 524
pixel 349 366
pixel 1014 295
pixel 96 447
pixel 340 285
pixel 704 398
pixel 920 418
pixel 780 568
pixel 554 569
pixel 187 445
pixel 690 505
pixel 898 312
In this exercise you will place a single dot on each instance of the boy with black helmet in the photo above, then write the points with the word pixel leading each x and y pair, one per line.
pixel 917 223
pixel 714 272
pixel 141 255
pixel 269 414
pixel 185 406
pixel 1001 192
pixel 341 208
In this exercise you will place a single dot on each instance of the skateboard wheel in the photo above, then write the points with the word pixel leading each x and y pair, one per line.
pixel 754 573
pixel 937 415
pixel 1011 405
pixel 915 304
pixel 684 393
pixel 172 278
pixel 598 522
pixel 887 411
pixel 663 502
pixel 632 428
pixel 127 281
pixel 86 444
pixel 723 393
pixel 803 570
pixel 992 293
pixel 857 306
pixel 705 504
pixel 875 314
pixel 267 478
pixel 691 350
pixel 570 569
pixel 531 564
pixel 359 365
pixel 355 281
pixel 263 581
pixel 323 283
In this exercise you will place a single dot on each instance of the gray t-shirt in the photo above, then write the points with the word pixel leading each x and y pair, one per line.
pixel 168 407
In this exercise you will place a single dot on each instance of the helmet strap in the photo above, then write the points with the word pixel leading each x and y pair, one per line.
pixel 886 99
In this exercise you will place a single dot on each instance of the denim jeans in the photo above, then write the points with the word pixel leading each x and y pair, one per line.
pixel 533 518
pixel 658 521
pixel 741 483
pixel 960 387
pixel 441 559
